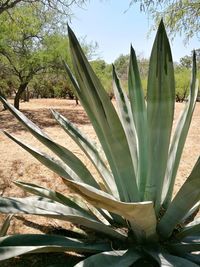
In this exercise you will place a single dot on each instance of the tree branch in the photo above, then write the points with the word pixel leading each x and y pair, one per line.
pixel 7 5
pixel 3 53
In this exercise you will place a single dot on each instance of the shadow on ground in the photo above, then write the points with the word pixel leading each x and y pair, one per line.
pixel 49 229
pixel 42 117
pixel 42 260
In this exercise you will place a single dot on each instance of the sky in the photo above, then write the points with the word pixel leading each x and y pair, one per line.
pixel 107 23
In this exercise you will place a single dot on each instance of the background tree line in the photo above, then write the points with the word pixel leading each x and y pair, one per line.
pixel 33 42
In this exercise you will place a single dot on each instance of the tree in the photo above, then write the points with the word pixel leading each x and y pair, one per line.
pixel 21 48
pixel 104 73
pixel 182 78
pixel 6 81
pixel 179 16
pixel 186 61
pixel 121 65
pixel 30 46
pixel 63 6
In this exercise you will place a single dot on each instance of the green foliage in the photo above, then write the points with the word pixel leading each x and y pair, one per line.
pixel 186 61
pixel 182 73
pixel 104 73
pixel 63 7
pixel 179 16
pixel 21 50
pixel 132 217
pixel 182 78
pixel 51 85
pixel 121 65
pixel 31 48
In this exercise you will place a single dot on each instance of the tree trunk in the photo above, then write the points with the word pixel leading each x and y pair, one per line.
pixel 26 95
pixel 4 96
pixel 198 96
pixel 21 89
pixel 76 98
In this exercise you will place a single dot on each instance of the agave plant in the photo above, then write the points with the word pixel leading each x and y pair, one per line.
pixel 129 207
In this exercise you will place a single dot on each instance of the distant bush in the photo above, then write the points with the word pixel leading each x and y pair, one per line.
pixel 182 78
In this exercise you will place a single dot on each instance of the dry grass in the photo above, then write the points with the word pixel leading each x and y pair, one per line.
pixel 16 164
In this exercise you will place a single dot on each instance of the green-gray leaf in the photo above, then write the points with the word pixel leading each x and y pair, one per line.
pixel 160 112
pixel 90 150
pixel 55 196
pixel 167 260
pixel 106 123
pixel 192 228
pixel 43 207
pixel 12 246
pixel 133 212
pixel 186 198
pixel 112 259
pixel 126 117
pixel 187 245
pixel 179 138
pixel 139 112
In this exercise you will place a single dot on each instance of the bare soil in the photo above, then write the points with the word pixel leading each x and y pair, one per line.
pixel 17 164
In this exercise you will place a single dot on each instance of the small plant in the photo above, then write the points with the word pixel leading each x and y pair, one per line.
pixel 5 225
pixel 131 215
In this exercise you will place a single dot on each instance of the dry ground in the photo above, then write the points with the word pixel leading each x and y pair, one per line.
pixel 17 164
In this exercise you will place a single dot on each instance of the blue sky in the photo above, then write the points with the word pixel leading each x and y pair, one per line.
pixel 114 30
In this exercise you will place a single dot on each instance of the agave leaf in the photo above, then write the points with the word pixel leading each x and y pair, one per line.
pixel 41 206
pixel 189 244
pixel 90 150
pixel 35 204
pixel 135 213
pixel 139 113
pixel 106 122
pixel 54 165
pixel 192 228
pixel 111 258
pixel 69 261
pixel 192 257
pixel 185 199
pixel 46 160
pixel 64 154
pixel 55 196
pixel 128 258
pixel 5 225
pixel 12 246
pixel 190 215
pixel 179 138
pixel 160 112
pixel 126 117
pixel 193 238
pixel 166 260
